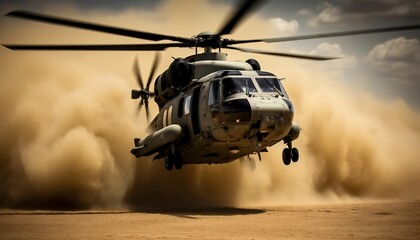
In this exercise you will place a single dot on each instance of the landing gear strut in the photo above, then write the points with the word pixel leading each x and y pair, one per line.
pixel 290 154
pixel 173 158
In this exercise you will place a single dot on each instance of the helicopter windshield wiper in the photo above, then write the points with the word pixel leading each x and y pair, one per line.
pixel 246 86
pixel 274 87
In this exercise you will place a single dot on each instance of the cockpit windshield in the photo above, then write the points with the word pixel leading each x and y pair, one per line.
pixel 268 85
pixel 237 85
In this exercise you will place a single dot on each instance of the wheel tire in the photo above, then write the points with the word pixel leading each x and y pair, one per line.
pixel 286 156
pixel 178 161
pixel 169 163
pixel 295 154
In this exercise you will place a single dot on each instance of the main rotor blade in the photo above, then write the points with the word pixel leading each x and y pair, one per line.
pixel 95 27
pixel 137 74
pixel 326 35
pixel 111 47
pixel 280 54
pixel 153 70
pixel 245 7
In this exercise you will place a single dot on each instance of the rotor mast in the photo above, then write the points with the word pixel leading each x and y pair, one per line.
pixel 204 38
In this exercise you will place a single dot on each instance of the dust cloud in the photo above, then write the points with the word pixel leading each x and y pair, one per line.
pixel 352 146
pixel 66 134
pixel 67 124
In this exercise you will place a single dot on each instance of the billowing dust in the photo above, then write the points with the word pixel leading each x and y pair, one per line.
pixel 67 126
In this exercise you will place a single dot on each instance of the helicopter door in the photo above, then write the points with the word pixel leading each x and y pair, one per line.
pixel 194 111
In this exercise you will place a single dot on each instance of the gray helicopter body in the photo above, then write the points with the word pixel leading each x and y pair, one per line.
pixel 227 111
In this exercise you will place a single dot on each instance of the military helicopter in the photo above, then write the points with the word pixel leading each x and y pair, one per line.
pixel 211 110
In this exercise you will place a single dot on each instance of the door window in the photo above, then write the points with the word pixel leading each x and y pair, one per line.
pixel 187 105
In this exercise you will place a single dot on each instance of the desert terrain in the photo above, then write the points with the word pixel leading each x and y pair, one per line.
pixel 358 220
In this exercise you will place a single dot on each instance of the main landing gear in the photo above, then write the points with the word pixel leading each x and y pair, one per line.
pixel 173 158
pixel 290 154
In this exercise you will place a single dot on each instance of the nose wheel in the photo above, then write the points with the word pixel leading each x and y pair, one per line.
pixel 290 154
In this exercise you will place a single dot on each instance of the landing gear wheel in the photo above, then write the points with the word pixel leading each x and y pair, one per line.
pixel 287 155
pixel 169 162
pixel 295 154
pixel 178 161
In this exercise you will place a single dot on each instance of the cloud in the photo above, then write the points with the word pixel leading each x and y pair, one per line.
pixel 397 60
pixel 328 14
pixel 344 61
pixel 347 11
pixel 283 27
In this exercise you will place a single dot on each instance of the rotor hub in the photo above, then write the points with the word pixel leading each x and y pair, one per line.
pixel 208 39
pixel 206 34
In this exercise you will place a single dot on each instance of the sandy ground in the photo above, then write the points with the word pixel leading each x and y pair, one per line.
pixel 379 220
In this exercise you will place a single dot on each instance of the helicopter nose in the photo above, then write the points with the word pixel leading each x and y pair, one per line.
pixel 273 114
pixel 289 104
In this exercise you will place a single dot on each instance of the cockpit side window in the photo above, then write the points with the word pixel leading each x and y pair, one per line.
pixel 187 105
pixel 237 85
pixel 269 85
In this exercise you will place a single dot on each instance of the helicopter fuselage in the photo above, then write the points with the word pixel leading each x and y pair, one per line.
pixel 222 116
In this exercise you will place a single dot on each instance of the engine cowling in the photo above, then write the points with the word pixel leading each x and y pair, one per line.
pixel 254 64
pixel 167 85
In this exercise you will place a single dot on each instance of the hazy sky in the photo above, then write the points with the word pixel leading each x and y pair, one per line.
pixel 386 63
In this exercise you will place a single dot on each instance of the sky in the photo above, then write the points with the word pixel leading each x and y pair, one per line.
pixel 67 120
pixel 383 63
